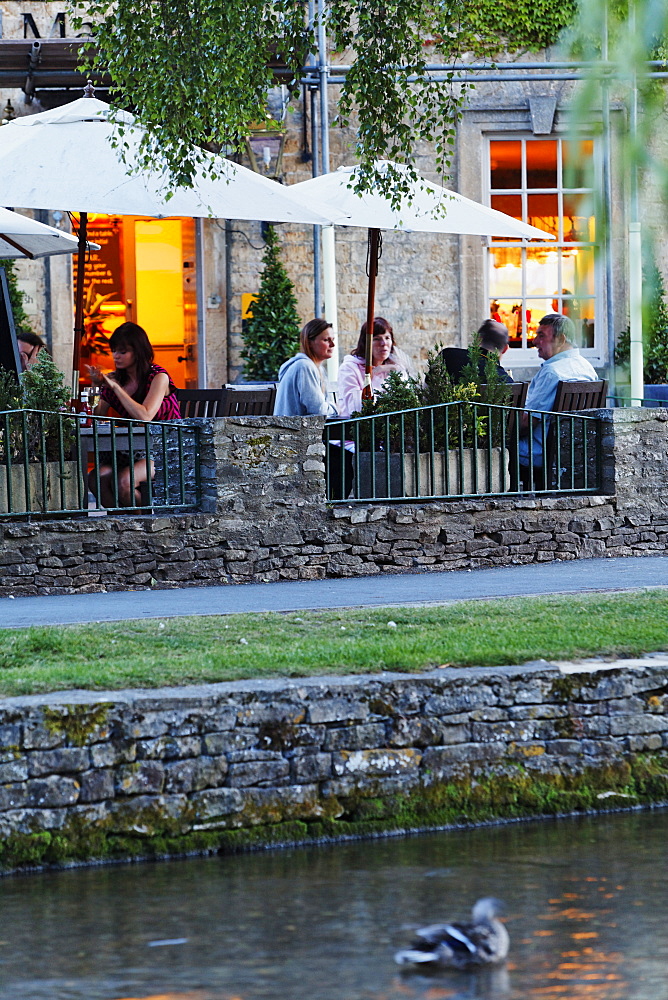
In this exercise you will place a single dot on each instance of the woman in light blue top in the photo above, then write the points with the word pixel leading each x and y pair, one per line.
pixel 302 391
pixel 302 384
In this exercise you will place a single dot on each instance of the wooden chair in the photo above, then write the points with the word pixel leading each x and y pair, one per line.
pixel 518 394
pixel 201 402
pixel 248 401
pixel 574 396
pixel 571 397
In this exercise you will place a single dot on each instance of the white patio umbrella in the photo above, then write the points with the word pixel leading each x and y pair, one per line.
pixel 22 237
pixel 426 209
pixel 64 158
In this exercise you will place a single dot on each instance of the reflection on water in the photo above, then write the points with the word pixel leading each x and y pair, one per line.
pixel 586 900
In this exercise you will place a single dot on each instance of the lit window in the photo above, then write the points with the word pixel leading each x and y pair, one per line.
pixel 543 182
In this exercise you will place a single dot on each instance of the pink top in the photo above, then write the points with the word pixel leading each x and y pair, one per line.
pixel 351 381
pixel 169 408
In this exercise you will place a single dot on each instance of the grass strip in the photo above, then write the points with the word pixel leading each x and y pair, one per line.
pixel 172 651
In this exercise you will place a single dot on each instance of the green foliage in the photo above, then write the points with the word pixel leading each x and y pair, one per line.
pixel 400 392
pixel 655 330
pixel 21 321
pixel 209 78
pixel 522 24
pixel 44 386
pixel 271 334
pixel 195 73
pixel 637 33
pixel 40 434
pixel 10 392
pixel 465 423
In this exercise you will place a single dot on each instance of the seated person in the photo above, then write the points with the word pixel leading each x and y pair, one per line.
pixel 303 390
pixel 136 390
pixel 29 345
pixel 386 358
pixel 562 362
pixel 493 343
pixel 302 383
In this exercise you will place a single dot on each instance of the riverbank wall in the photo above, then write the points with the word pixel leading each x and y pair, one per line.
pixel 103 776
pixel 264 517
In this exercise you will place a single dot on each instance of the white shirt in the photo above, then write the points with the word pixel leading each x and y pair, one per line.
pixel 566 366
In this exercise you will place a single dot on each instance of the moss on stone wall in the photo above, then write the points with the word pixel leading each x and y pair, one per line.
pixel 77 723
pixel 512 791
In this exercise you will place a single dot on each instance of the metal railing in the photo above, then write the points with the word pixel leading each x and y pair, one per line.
pixel 645 401
pixel 461 450
pixel 68 463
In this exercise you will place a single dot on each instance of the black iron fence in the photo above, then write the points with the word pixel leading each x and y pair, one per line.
pixel 67 463
pixel 461 450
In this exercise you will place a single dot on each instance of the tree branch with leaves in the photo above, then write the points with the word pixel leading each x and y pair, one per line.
pixel 196 72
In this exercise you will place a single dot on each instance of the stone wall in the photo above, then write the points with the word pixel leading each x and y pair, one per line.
pixel 103 775
pixel 265 518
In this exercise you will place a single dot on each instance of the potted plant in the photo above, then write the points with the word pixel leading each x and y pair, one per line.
pixel 419 451
pixel 37 469
pixel 271 333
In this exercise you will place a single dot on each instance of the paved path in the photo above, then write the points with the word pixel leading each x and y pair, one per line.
pixel 372 591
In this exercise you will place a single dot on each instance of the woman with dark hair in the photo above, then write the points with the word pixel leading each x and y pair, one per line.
pixel 302 384
pixel 138 389
pixel 29 345
pixel 386 358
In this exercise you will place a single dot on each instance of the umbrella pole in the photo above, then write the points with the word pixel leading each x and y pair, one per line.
pixel 79 306
pixel 374 239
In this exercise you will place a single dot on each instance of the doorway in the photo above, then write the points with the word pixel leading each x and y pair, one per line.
pixel 144 272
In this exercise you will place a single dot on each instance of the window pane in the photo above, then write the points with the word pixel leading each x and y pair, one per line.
pixel 578 164
pixel 536 309
pixel 510 204
pixel 541 163
pixel 587 323
pixel 506 164
pixel 542 271
pixel 578 220
pixel 543 211
pixel 505 278
pixel 509 312
pixel 577 270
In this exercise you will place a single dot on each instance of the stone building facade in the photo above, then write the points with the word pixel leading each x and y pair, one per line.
pixel 434 289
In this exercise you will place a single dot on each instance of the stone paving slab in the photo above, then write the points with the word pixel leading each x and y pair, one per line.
pixel 591 665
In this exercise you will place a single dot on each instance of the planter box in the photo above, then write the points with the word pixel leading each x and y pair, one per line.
pixel 479 472
pixel 62 488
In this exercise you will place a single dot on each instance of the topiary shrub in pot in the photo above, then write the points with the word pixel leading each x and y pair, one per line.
pixel 38 467
pixel 271 333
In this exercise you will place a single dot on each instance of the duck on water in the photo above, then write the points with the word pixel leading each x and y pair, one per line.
pixel 483 941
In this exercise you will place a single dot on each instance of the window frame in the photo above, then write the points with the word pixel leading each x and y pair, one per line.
pixel 528 356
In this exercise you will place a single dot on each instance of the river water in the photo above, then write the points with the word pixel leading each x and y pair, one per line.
pixel 586 899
